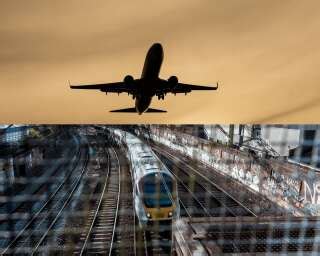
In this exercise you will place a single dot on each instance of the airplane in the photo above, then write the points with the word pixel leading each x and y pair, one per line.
pixel 149 85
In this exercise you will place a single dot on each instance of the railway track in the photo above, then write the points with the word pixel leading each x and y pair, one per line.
pixel 158 243
pixel 33 233
pixel 19 205
pixel 216 201
pixel 257 204
pixel 98 236
pixel 125 236
pixel 65 232
pixel 189 199
pixel 213 201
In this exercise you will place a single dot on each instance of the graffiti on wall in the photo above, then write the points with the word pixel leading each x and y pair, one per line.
pixel 311 193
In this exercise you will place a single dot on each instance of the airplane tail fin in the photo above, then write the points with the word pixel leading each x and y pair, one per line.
pixel 153 110
pixel 125 110
pixel 133 110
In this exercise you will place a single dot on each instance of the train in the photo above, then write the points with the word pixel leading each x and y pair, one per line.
pixel 155 190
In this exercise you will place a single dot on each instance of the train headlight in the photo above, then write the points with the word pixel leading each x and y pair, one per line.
pixel 170 214
pixel 148 215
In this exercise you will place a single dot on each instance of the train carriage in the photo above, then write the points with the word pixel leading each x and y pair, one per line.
pixel 154 187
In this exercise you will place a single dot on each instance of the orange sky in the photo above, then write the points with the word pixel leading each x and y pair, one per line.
pixel 265 54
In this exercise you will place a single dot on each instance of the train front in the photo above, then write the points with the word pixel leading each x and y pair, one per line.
pixel 158 198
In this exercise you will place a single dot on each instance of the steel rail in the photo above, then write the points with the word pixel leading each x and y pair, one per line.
pixel 77 182
pixel 35 216
pixel 133 212
pixel 188 190
pixel 235 246
pixel 191 193
pixel 118 201
pixel 134 217
pixel 202 188
pixel 97 209
pixel 208 180
pixel 133 207
pixel 85 248
pixel 36 191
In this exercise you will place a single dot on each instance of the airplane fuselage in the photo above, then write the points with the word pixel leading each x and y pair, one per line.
pixel 149 78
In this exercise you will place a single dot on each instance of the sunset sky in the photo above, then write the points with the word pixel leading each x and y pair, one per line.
pixel 265 54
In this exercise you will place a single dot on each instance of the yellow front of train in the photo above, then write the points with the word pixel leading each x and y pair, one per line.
pixel 159 197
pixel 161 213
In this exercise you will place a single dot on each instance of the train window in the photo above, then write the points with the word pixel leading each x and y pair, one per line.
pixel 157 192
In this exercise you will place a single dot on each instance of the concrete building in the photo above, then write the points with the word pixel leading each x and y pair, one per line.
pixel 308 151
pixel 266 139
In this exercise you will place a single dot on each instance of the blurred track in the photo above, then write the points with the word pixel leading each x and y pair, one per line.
pixel 101 222
pixel 125 233
pixel 36 230
pixel 214 201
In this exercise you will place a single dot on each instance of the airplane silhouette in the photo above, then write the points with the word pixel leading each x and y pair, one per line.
pixel 149 85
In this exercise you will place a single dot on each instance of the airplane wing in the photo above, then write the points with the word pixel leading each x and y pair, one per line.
pixel 117 87
pixel 185 88
pixel 182 88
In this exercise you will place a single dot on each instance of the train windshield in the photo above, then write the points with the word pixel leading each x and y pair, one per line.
pixel 157 190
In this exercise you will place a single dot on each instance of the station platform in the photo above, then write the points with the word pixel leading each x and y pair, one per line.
pixel 246 236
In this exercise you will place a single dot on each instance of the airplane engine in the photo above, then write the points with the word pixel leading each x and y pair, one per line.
pixel 128 80
pixel 173 81
pixel 160 96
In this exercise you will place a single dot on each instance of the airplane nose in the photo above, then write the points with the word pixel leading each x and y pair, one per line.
pixel 157 46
